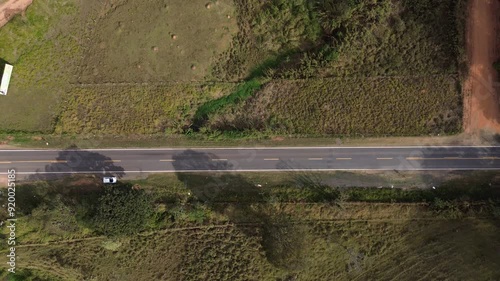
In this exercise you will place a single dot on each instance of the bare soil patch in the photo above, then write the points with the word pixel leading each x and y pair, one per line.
pixel 481 106
pixel 12 8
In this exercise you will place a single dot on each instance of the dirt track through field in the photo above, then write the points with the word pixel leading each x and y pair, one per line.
pixel 481 103
pixel 11 8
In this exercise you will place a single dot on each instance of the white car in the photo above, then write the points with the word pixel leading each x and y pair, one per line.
pixel 109 180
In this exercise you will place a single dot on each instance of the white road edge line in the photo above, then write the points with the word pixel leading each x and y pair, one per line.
pixel 245 148
pixel 257 170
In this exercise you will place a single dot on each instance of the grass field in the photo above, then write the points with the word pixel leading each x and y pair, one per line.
pixel 134 109
pixel 402 38
pixel 52 57
pixel 42 49
pixel 350 106
pixel 370 244
pixel 362 250
pixel 129 41
pixel 290 229
pixel 377 68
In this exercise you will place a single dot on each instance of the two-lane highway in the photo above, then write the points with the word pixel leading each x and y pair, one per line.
pixel 125 162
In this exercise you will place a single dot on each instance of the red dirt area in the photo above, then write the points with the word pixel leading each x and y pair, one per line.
pixel 10 8
pixel 481 90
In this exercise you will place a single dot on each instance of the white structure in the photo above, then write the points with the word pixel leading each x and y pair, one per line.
pixel 4 86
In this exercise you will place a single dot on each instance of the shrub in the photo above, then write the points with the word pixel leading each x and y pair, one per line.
pixel 122 211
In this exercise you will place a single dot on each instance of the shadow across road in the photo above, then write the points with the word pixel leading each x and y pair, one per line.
pixel 232 195
pixel 213 187
pixel 76 161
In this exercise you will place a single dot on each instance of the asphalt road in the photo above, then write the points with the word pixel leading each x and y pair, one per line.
pixel 123 162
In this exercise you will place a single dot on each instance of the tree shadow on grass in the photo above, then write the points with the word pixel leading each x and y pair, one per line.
pixel 234 196
pixel 216 189
pixel 76 161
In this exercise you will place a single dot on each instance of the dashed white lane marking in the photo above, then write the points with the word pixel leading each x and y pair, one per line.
pixel 40 161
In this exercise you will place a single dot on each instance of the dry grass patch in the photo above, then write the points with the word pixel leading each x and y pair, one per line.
pixel 131 41
pixel 133 109
pixel 339 250
pixel 350 106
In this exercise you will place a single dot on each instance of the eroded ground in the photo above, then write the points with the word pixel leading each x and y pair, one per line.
pixel 482 110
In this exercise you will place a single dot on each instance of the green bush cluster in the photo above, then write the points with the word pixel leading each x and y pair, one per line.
pixel 268 30
pixel 402 39
pixel 122 211
pixel 285 24
pixel 241 93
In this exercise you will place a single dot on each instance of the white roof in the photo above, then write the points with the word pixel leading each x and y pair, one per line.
pixel 4 86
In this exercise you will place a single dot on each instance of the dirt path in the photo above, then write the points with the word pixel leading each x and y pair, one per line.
pixel 10 8
pixel 481 103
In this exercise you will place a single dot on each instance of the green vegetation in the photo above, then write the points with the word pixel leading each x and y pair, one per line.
pixel 43 48
pixel 225 227
pixel 284 25
pixel 241 93
pixel 134 109
pixel 293 67
pixel 276 29
pixel 121 211
pixel 398 38
pixel 368 43
pixel 53 53
pixel 350 106
pixel 27 275
pixel 381 249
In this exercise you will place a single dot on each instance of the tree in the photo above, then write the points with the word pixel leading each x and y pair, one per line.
pixel 122 210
